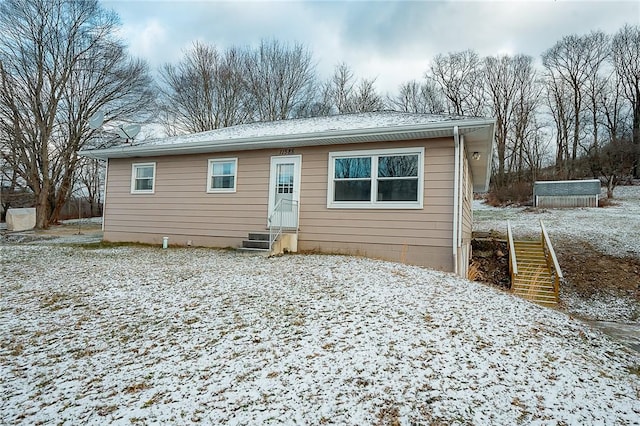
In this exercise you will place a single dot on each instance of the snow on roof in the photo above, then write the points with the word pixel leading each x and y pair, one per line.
pixel 366 127
pixel 302 126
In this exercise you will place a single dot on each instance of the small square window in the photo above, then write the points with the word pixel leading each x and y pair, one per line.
pixel 143 176
pixel 222 175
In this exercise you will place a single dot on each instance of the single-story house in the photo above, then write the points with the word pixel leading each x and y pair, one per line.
pixel 390 185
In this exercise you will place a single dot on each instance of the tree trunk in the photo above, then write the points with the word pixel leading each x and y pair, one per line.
pixel 636 134
pixel 610 187
pixel 42 209
pixel 61 197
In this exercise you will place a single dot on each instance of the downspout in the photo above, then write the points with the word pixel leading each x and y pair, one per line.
pixel 461 183
pixel 456 176
pixel 104 195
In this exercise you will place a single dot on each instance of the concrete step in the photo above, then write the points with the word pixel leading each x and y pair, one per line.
pixel 256 244
pixel 259 236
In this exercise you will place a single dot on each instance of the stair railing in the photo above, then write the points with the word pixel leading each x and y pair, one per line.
pixel 552 260
pixel 513 264
pixel 278 211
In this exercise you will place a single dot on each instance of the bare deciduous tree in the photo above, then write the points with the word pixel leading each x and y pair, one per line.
pixel 343 93
pixel 340 88
pixel 204 91
pixel 366 98
pixel 615 160
pixel 501 90
pixel 625 49
pixel 423 98
pixel 60 63
pixel 90 178
pixel 512 99
pixel 280 79
pixel 459 76
pixel 569 65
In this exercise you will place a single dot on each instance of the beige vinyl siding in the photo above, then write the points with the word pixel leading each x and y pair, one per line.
pixel 467 200
pixel 421 236
pixel 467 216
pixel 183 210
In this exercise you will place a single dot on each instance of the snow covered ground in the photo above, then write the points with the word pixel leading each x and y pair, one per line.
pixel 613 230
pixel 133 335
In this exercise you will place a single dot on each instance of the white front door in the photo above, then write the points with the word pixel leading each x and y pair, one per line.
pixel 284 191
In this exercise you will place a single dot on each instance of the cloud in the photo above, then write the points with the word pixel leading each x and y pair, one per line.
pixel 145 38
pixel 393 41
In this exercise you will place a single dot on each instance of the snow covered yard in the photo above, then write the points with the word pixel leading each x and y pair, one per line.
pixel 132 335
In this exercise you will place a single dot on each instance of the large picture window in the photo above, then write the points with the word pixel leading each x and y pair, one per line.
pixel 376 179
pixel 143 177
pixel 222 175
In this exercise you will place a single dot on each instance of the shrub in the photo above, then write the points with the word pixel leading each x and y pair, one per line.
pixel 519 193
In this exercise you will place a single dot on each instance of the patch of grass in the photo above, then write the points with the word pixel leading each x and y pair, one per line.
pixel 81 353
pixel 634 369
pixel 153 400
pixel 54 301
pixel 607 202
pixel 16 349
pixel 474 271
pixel 107 244
pixel 106 410
pixel 136 387
pixel 389 415
pixel 192 320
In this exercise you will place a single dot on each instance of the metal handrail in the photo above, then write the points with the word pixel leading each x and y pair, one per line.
pixel 548 248
pixel 276 231
pixel 513 264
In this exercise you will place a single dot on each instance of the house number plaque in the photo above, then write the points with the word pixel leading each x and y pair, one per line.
pixel 286 151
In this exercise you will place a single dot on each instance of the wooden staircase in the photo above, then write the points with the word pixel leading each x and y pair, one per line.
pixel 535 273
pixel 534 281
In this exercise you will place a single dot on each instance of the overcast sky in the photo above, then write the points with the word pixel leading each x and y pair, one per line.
pixel 391 41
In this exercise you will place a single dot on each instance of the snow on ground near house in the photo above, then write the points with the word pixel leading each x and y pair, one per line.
pixel 613 230
pixel 140 335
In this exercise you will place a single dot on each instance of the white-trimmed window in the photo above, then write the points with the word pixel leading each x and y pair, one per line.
pixel 222 175
pixel 143 178
pixel 384 179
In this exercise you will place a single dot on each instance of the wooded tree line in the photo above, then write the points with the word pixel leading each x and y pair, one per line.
pixel 61 61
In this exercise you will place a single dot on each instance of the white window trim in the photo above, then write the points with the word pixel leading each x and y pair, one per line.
pixel 371 204
pixel 211 190
pixel 133 178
